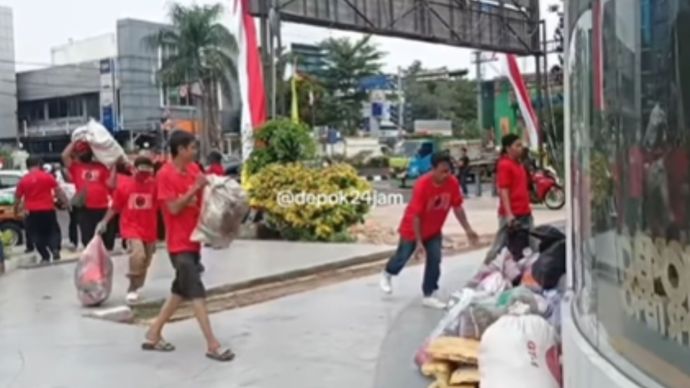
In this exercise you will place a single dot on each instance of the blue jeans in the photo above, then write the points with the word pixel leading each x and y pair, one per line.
pixel 432 266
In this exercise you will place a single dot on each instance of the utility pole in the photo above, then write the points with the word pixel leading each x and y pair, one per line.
pixel 479 61
pixel 401 100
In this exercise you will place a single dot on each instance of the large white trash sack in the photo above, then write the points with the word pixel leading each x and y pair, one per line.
pixel 105 148
pixel 520 351
pixel 224 207
pixel 93 275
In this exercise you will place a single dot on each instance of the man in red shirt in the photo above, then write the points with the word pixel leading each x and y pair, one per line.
pixel 215 166
pixel 136 203
pixel 433 196
pixel 512 180
pixel 92 196
pixel 179 188
pixel 37 191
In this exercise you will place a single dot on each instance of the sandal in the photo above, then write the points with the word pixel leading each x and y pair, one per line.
pixel 159 346
pixel 222 355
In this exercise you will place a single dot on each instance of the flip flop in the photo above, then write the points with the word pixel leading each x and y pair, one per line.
pixel 222 355
pixel 159 346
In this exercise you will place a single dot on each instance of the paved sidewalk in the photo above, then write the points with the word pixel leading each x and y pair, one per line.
pixel 329 337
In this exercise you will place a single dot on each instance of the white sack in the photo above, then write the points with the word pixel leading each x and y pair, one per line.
pixel 520 351
pixel 224 207
pixel 105 148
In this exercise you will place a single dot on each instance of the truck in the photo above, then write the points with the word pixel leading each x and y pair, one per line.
pixel 434 127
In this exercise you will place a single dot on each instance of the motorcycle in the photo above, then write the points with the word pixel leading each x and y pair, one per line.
pixel 546 189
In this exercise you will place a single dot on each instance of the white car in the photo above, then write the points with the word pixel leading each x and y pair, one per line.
pixel 9 180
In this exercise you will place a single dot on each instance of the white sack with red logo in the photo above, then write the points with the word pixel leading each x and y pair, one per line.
pixel 104 146
pixel 520 351
pixel 224 207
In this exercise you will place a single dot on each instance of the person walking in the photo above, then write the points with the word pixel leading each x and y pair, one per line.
pixel 463 170
pixel 512 181
pixel 179 188
pixel 36 193
pixel 92 196
pixel 135 202
pixel 433 196
pixel 215 166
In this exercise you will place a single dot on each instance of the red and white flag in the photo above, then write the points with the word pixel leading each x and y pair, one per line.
pixel 249 74
pixel 524 101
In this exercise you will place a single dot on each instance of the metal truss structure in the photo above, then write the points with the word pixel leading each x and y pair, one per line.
pixel 510 26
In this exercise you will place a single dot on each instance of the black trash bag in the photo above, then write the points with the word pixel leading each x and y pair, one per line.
pixel 548 236
pixel 551 266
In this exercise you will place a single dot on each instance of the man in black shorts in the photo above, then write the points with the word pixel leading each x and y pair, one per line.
pixel 179 190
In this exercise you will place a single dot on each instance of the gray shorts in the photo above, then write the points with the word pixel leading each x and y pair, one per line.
pixel 188 269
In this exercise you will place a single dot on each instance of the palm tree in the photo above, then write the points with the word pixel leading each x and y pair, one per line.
pixel 203 54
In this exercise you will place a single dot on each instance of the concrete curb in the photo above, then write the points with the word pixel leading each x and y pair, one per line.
pixel 223 289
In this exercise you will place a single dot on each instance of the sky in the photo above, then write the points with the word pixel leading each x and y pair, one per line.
pixel 40 25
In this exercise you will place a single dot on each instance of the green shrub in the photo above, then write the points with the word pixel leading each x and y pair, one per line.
pixel 281 141
pixel 310 221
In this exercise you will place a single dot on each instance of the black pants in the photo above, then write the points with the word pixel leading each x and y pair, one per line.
pixel 88 220
pixel 41 227
pixel 73 232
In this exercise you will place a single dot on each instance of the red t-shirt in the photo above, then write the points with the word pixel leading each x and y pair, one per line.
pixel 215 169
pixel 37 188
pixel 511 175
pixel 172 184
pixel 136 202
pixel 431 202
pixel 91 178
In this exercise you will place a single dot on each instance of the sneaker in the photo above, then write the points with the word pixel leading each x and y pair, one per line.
pixel 132 297
pixel 386 283
pixel 434 303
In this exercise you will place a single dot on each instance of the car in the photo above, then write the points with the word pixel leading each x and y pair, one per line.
pixel 232 165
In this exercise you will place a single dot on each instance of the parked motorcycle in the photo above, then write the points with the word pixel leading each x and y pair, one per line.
pixel 546 189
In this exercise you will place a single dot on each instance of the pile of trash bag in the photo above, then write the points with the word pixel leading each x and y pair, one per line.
pixel 225 206
pixel 93 275
pixel 104 147
pixel 511 308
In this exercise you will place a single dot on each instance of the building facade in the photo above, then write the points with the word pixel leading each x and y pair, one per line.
pixel 627 74
pixel 8 91
pixel 122 91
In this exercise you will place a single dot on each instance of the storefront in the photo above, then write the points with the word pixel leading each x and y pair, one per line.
pixel 628 117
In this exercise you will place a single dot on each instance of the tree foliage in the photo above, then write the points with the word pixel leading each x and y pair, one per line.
pixel 444 99
pixel 203 53
pixel 347 63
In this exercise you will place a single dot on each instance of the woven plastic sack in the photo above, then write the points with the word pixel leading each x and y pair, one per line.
pixel 105 148
pixel 520 351
pixel 93 275
pixel 224 208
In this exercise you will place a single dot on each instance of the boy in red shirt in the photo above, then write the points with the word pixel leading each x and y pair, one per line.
pixel 433 196
pixel 37 191
pixel 512 180
pixel 92 196
pixel 179 189
pixel 215 166
pixel 136 203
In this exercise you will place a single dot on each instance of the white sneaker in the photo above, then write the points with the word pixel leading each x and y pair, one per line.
pixel 434 303
pixel 386 283
pixel 132 297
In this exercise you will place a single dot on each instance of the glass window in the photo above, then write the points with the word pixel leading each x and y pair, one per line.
pixel 629 74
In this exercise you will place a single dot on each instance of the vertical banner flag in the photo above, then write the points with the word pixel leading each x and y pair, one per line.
pixel 524 101
pixel 250 77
